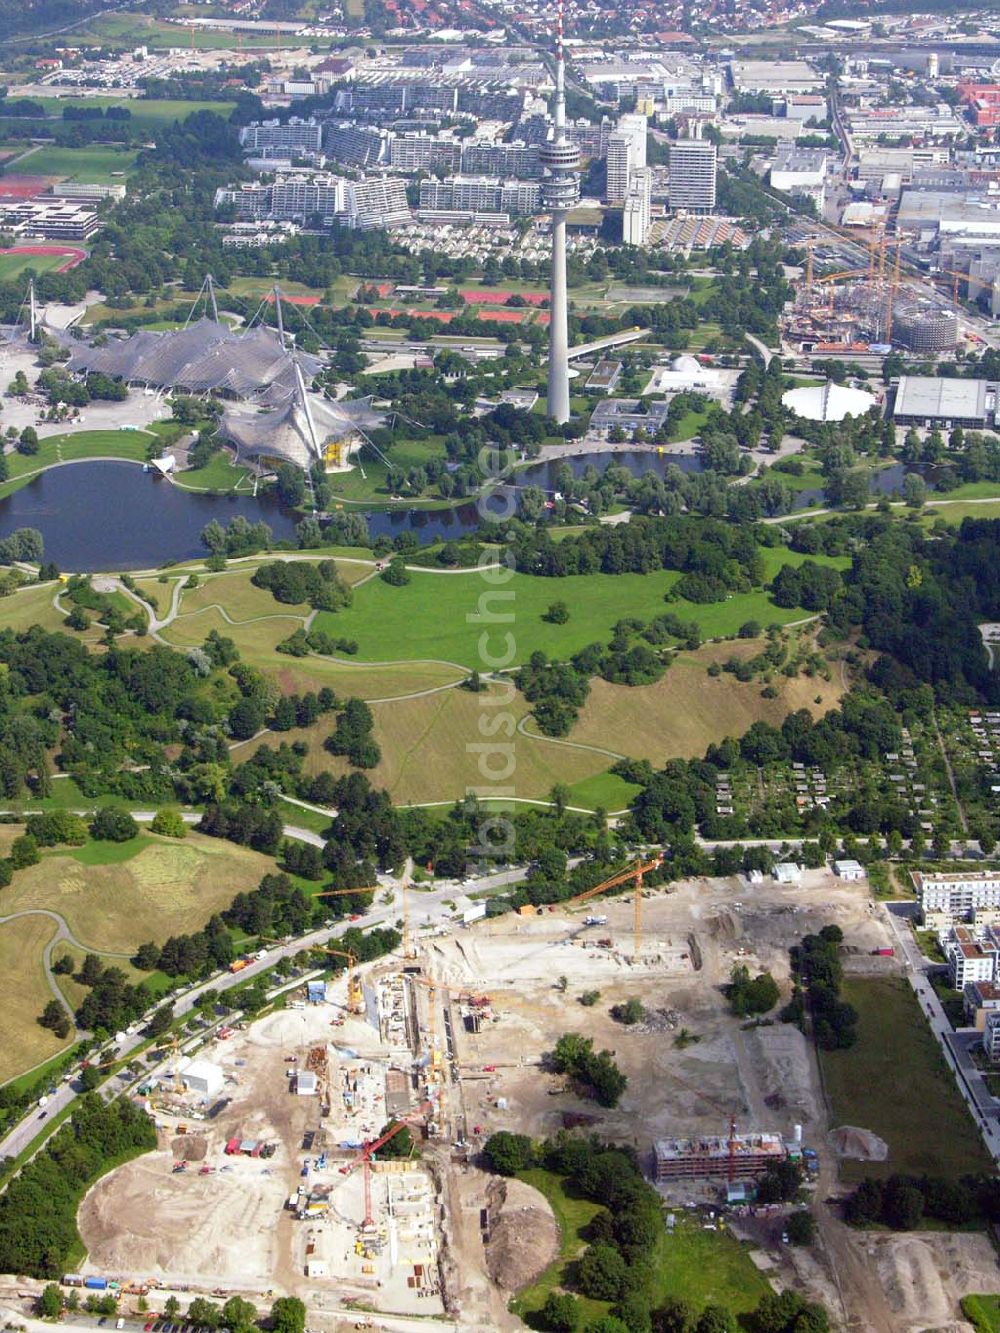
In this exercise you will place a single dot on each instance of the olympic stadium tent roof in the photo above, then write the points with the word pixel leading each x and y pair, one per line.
pixel 828 402
pixel 202 358
pixel 284 430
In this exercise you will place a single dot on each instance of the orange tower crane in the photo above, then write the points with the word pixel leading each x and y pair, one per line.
pixel 368 1150
pixel 731 1164
pixel 635 872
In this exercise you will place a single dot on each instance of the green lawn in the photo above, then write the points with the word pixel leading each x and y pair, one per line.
pixel 700 1267
pixel 150 112
pixel 688 426
pixel 604 791
pixel 124 30
pixel 13 266
pixel 219 474
pixel 866 1089
pixel 108 853
pixel 434 615
pixel 972 490
pixel 573 1216
pixel 706 1267
pixel 982 1312
pixel 127 444
pixel 95 164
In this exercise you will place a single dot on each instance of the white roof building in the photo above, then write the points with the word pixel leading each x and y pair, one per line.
pixel 849 870
pixel 828 402
pixel 787 872
pixel 203 1078
pixel 306 1083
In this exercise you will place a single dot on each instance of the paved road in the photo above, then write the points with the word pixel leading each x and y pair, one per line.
pixel 954 1045
pixel 426 907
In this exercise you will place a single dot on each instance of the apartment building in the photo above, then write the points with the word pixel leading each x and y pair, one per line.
pixel 693 167
pixel 276 138
pixel 956 898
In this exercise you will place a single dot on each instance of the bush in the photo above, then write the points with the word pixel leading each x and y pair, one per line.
pixel 169 824
pixel 507 1153
pixel 752 996
pixel 112 824
pixel 57 826
pixel 801 1227
pixel 629 1013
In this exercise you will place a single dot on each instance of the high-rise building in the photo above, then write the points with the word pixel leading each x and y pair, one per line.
pixel 636 127
pixel 377 201
pixel 275 138
pixel 560 160
pixel 619 166
pixel 692 176
pixel 636 210
pixel 480 194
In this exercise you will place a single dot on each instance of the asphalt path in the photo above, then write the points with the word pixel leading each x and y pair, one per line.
pixel 426 907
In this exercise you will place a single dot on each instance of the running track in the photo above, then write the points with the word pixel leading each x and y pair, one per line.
pixel 73 254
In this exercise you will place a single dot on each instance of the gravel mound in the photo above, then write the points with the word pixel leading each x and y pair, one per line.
pixel 860 1145
pixel 524 1235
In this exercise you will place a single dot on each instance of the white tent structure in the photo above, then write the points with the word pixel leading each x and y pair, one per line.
pixel 828 402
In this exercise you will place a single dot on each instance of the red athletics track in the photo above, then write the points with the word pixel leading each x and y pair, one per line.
pixel 74 255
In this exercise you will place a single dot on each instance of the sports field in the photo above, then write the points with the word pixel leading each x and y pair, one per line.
pixel 13 263
pixel 143 111
pixel 95 164
pixel 113 896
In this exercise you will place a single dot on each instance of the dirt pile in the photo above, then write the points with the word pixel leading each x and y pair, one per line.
pixel 189 1148
pixel 524 1235
pixel 860 1145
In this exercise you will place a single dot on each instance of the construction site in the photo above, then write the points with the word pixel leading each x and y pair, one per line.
pixel 334 1152
pixel 873 308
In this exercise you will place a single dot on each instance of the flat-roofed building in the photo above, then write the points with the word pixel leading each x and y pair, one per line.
pixel 991 1037
pixel 693 165
pixel 970 959
pixel 714 1157
pixel 947 899
pixel 931 401
pixel 775 76
pixel 981 998
pixel 604 376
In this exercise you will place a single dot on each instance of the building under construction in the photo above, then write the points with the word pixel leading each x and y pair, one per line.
pixel 926 326
pixel 718 1157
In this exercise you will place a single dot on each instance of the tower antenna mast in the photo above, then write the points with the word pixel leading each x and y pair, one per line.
pixel 561 191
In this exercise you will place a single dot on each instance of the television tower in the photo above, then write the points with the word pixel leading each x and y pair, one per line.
pixel 560 192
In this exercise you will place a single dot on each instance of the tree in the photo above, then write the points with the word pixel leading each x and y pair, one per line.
pixel 24 852
pixel 715 1319
pixel 602 1272
pixel 50 1302
pixel 674 1316
pixel 400 1146
pixel 557 613
pixel 508 1153
pixel 204 1313
pixel 161 1020
pixel 751 996
pixel 112 824
pixel 172 1307
pixel 52 1015
pixel 560 1313
pixel 801 1227
pixel 288 1315
pixel 629 1013
pixel 396 573
pixel 168 823
pixel 27 441
pixel 238 1314
pixel 91 1078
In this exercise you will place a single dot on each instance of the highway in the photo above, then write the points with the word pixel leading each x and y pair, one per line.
pixel 954 1045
